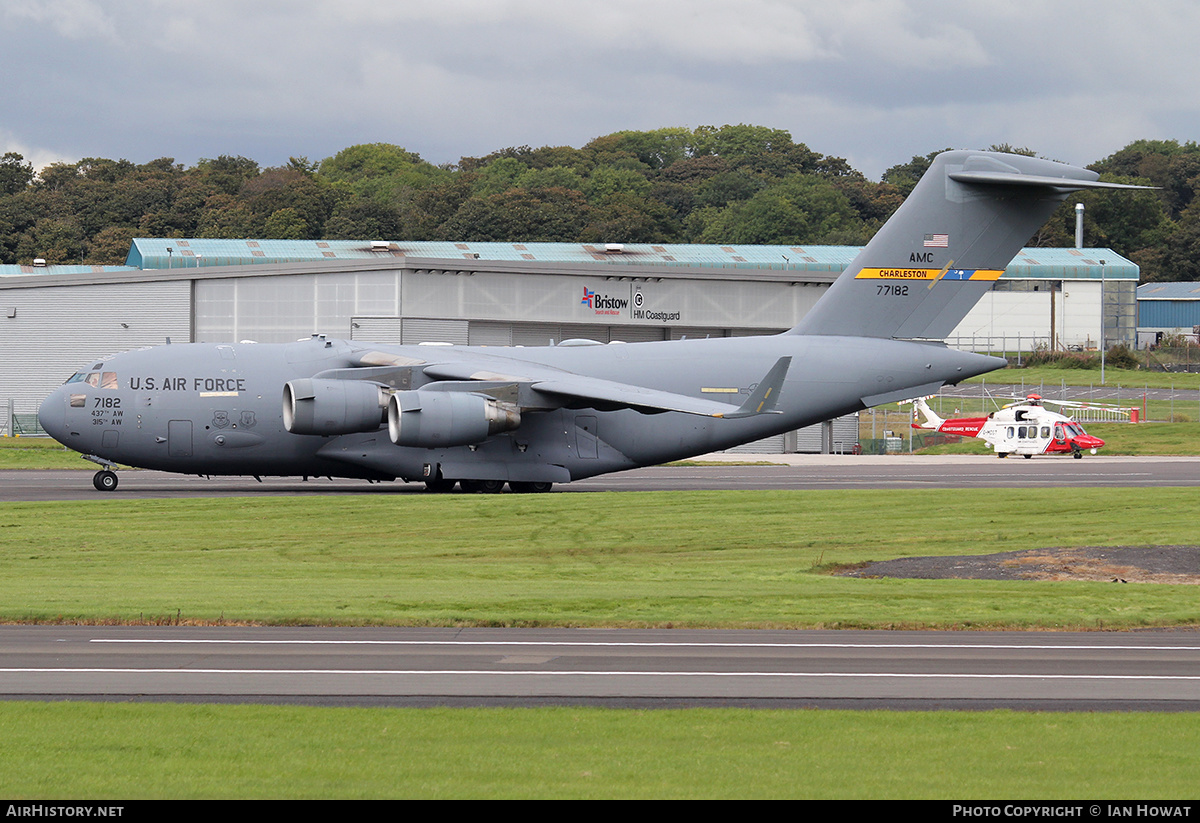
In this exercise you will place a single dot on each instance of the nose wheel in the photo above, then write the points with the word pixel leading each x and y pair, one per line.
pixel 105 481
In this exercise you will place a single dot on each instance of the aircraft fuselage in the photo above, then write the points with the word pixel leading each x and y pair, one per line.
pixel 216 409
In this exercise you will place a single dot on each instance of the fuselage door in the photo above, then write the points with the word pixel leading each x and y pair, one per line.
pixel 586 443
pixel 179 438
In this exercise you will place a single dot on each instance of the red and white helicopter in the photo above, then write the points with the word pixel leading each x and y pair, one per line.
pixel 1025 428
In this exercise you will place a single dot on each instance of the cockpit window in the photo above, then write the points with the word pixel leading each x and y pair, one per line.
pixel 101 380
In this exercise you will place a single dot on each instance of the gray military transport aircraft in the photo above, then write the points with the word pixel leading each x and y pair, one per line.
pixel 532 417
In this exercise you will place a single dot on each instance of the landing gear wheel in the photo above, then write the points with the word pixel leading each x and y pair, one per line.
pixel 1029 457
pixel 522 487
pixel 440 486
pixel 1002 455
pixel 105 481
pixel 482 486
pixel 1078 455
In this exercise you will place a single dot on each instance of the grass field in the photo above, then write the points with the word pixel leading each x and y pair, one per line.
pixel 1133 379
pixel 746 559
pixel 92 751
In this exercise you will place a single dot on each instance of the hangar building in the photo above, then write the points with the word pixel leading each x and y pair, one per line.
pixel 55 318
pixel 1168 309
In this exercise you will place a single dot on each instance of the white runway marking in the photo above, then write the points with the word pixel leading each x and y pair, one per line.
pixel 647 644
pixel 532 673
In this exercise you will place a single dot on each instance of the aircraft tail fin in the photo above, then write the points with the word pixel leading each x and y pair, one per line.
pixel 921 408
pixel 945 246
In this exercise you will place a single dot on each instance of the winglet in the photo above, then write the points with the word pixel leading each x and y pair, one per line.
pixel 764 397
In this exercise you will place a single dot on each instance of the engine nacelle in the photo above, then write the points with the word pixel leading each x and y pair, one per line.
pixel 433 419
pixel 332 406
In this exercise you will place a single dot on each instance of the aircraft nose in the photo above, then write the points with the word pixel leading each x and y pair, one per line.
pixel 52 415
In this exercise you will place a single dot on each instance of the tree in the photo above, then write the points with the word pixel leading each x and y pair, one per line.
pixel 729 187
pixel 110 247
pixel 606 181
pixel 368 160
pixel 657 149
pixel 382 172
pixel 624 217
pixel 285 224
pixel 499 176
pixel 766 218
pixel 55 240
pixel 362 219
pixel 517 215
pixel 741 141
pixel 227 174
pixel 15 173
pixel 228 216
pixel 905 176
pixel 310 198
pixel 1178 258
pixel 552 177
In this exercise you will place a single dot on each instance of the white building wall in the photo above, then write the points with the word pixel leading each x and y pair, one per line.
pixel 283 308
pixel 1011 318
pixel 57 330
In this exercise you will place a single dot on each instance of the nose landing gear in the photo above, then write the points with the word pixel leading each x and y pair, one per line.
pixel 105 480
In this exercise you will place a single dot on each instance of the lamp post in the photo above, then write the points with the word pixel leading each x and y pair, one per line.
pixel 1103 337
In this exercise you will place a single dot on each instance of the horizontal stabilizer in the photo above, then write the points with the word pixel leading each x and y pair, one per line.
pixel 1015 179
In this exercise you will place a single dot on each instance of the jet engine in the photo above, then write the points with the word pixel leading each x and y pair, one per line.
pixel 432 419
pixel 332 406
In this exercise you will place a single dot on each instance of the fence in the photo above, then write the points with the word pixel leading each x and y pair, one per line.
pixel 1002 346
pixel 23 423
pixel 1183 359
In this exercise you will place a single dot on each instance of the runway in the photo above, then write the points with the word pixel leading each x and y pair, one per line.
pixel 619 668
pixel 728 472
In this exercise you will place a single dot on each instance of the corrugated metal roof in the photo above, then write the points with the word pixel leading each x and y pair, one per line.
pixel 151 253
pixel 12 271
pixel 1169 291
pixel 1071 264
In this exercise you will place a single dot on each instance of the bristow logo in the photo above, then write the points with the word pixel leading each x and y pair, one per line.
pixel 600 302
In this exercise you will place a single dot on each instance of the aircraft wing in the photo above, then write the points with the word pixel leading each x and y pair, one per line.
pixel 594 390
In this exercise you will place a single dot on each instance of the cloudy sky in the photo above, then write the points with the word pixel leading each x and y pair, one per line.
pixel 874 81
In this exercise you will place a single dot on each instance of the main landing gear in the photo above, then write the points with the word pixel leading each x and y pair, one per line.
pixel 105 480
pixel 441 486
